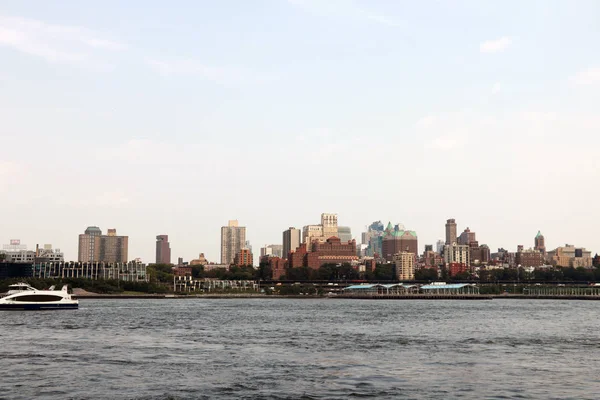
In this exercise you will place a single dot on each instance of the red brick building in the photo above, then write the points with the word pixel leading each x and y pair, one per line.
pixel 243 257
pixel 333 251
pixel 456 268
pixel 278 266
pixel 182 271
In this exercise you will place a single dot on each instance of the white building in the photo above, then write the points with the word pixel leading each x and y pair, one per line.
pixel 404 266
pixel 457 253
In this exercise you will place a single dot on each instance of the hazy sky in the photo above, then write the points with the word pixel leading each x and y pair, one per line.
pixel 157 117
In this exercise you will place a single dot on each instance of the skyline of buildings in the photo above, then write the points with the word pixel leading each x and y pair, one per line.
pixel 96 247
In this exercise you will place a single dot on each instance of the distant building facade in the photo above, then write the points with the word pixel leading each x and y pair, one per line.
pixel 272 250
pixel 540 243
pixel 450 232
pixel 570 256
pixel 163 249
pixel 344 233
pixel 529 258
pixel 457 253
pixel 404 266
pixel 233 239
pixel 243 257
pixel 395 241
pixel 291 240
pixel 96 247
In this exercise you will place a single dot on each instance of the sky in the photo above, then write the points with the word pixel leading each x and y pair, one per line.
pixel 173 118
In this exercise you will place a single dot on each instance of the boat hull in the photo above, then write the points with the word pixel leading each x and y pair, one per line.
pixel 38 306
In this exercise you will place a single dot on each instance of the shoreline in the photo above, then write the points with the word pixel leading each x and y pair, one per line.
pixel 380 297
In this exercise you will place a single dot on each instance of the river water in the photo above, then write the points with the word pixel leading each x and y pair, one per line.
pixel 296 348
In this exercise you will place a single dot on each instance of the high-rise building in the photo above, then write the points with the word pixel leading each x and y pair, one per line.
pixel 329 222
pixel 87 244
pixel 344 233
pixel 291 241
pixel 467 237
pixel 450 232
pixel 540 243
pixel 95 247
pixel 243 257
pixel 233 239
pixel 163 249
pixel 396 241
pixel 404 266
pixel 459 254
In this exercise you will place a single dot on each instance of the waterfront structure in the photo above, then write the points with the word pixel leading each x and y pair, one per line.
pixel 18 253
pixel 344 233
pixel 395 241
pixel 163 249
pixel 96 247
pixel 457 254
pixel 540 243
pixel 233 239
pixel 404 266
pixel 570 256
pixel 243 257
pixel 450 232
pixel 10 269
pixel 189 284
pixel 291 240
pixel 129 271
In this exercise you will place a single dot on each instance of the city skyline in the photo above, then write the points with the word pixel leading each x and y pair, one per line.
pixel 157 121
pixel 217 258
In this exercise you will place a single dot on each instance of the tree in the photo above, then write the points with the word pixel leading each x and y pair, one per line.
pixel 426 274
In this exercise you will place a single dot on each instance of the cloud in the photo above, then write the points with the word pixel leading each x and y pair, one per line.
pixel 54 43
pixel 586 77
pixel 495 46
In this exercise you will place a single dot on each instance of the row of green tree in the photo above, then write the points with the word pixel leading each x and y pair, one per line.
pixel 108 286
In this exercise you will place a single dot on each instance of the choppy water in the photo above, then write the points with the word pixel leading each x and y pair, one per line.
pixel 311 349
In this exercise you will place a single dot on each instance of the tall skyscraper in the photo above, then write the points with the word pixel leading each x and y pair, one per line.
pixel 233 239
pixel 95 247
pixel 163 249
pixel 291 240
pixel 87 244
pixel 540 243
pixel 450 232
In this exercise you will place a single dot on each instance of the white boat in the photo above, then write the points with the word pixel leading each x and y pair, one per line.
pixel 22 296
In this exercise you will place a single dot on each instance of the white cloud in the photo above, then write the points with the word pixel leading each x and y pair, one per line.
pixel 496 88
pixel 589 76
pixel 495 46
pixel 54 43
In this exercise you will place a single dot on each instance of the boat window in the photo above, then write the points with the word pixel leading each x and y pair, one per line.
pixel 38 298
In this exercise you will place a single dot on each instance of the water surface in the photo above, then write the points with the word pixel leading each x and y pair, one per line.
pixel 311 349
